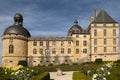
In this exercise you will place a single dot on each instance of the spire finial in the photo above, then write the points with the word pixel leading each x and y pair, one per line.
pixel 18 19
pixel 76 22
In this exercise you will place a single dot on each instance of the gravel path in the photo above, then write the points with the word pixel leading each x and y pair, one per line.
pixel 66 76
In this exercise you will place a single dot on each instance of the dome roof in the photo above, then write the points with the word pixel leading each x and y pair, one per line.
pixel 17 28
pixel 75 28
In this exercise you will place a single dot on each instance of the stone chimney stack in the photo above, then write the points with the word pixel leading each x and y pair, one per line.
pixel 91 19
pixel 96 13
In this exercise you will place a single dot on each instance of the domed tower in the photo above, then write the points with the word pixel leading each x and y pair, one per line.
pixel 14 42
pixel 75 29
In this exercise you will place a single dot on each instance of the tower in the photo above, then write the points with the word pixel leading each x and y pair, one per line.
pixel 14 42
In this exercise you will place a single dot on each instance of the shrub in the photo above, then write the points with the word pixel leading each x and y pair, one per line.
pixel 42 76
pixel 98 61
pixel 23 63
pixel 80 76
pixel 115 74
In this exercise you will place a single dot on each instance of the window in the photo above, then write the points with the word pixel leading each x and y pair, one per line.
pixel 95 41
pixel 54 43
pixel 95 49
pixel 34 51
pixel 114 32
pixel 41 43
pixel 77 51
pixel 47 43
pixel 11 49
pixel 114 41
pixel 114 49
pixel 77 43
pixel 105 49
pixel 62 43
pixel 95 32
pixel 35 43
pixel 104 32
pixel 62 50
pixel 41 51
pixel 54 51
pixel 69 50
pixel 84 43
pixel 105 41
pixel 84 50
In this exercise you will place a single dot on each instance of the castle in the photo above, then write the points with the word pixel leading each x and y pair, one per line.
pixel 99 41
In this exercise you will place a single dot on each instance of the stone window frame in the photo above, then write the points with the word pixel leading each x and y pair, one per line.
pixel 34 43
pixel 95 32
pixel 34 51
pixel 95 49
pixel 84 43
pixel 77 51
pixel 77 43
pixel 114 41
pixel 11 49
pixel 105 49
pixel 41 50
pixel 41 43
pixel 62 50
pixel 105 41
pixel 54 51
pixel 114 49
pixel 69 50
pixel 85 50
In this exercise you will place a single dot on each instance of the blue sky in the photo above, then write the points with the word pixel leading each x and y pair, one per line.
pixel 53 17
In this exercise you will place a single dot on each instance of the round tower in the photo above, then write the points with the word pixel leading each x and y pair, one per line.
pixel 14 42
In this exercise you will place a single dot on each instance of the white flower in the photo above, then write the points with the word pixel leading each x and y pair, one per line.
pixel 108 73
pixel 102 68
pixel 95 75
pixel 104 78
pixel 32 70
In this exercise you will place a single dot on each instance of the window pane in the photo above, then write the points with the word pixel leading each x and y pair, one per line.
pixel 41 43
pixel 11 49
pixel 77 43
pixel 34 51
pixel 69 50
pixel 35 43
pixel 41 51
pixel 84 43
pixel 77 51
pixel 95 49
pixel 95 32
pixel 62 50
pixel 54 51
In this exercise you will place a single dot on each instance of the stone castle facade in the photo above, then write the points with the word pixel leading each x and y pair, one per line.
pixel 98 41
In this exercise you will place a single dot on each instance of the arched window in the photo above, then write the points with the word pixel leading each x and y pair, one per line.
pixel 11 49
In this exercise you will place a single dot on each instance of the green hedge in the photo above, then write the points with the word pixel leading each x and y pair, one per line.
pixel 42 76
pixel 80 76
pixel 115 73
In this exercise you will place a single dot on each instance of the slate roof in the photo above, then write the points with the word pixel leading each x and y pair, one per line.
pixel 104 17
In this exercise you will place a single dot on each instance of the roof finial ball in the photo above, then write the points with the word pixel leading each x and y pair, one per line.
pixel 18 19
pixel 76 22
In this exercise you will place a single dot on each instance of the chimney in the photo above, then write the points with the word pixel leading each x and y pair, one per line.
pixel 96 12
pixel 91 19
